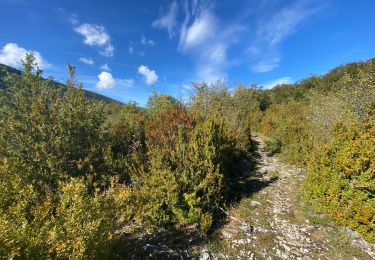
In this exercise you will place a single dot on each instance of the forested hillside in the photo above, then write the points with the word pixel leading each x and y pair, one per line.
pixel 87 179
pixel 6 70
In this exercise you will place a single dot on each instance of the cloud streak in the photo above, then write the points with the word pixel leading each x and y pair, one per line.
pixel 279 81
pixel 87 61
pixel 205 36
pixel 202 35
pixel 105 67
pixel 273 29
pixel 168 20
pixel 145 41
pixel 258 35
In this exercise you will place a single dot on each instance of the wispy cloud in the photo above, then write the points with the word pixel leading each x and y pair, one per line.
pixel 149 75
pixel 145 41
pixel 279 81
pixel 107 81
pixel 273 29
pixel 258 35
pixel 12 55
pixel 132 50
pixel 203 35
pixel 73 19
pixel 87 61
pixel 168 20
pixel 105 67
pixel 265 62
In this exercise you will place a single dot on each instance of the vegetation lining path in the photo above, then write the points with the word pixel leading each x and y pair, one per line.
pixel 273 223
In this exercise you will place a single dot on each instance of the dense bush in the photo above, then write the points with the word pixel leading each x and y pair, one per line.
pixel 192 157
pixel 125 141
pixel 214 101
pixel 73 222
pixel 47 138
pixel 286 124
pixel 74 173
pixel 341 179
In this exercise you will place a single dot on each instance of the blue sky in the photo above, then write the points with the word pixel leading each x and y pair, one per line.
pixel 125 49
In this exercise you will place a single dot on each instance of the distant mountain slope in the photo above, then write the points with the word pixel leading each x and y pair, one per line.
pixel 89 94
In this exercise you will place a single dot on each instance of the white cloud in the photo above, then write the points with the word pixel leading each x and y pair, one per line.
pixel 259 33
pixel 150 76
pixel 12 55
pixel 145 41
pixel 106 81
pixel 168 21
pixel 105 67
pixel 203 35
pixel 87 61
pixel 96 35
pixel 202 28
pixel 209 40
pixel 279 81
pixel 131 50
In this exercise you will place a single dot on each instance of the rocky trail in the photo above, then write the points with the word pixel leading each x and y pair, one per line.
pixel 269 221
pixel 273 223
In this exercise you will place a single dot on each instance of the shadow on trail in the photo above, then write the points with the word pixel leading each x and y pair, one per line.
pixel 164 243
pixel 246 181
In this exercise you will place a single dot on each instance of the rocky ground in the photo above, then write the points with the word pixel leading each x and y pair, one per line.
pixel 273 223
pixel 270 221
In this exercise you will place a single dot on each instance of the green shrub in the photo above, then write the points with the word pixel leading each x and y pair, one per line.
pixel 48 136
pixel 341 179
pixel 24 218
pixel 71 223
pixel 288 127
pixel 160 197
pixel 56 195
pixel 84 224
pixel 193 174
pixel 126 151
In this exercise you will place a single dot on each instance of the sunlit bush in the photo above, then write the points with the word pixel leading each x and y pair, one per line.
pixel 287 125
pixel 341 179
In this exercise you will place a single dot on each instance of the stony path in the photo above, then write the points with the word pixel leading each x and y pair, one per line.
pixel 272 223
